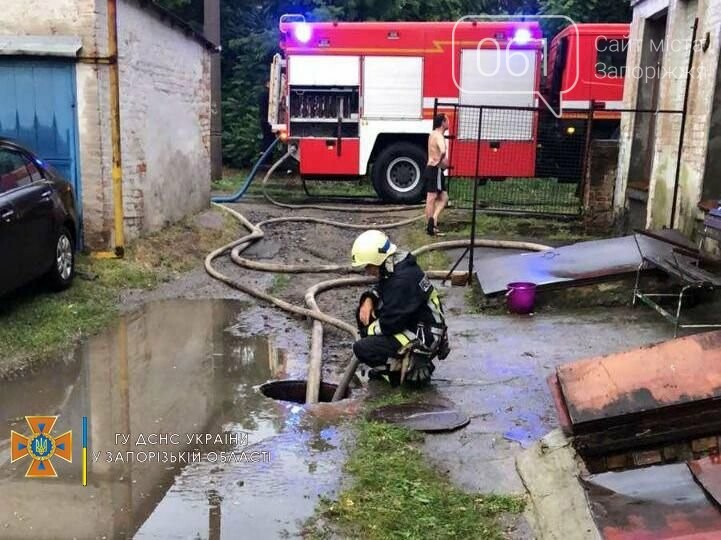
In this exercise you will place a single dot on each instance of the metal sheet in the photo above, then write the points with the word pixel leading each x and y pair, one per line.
pixel 651 503
pixel 427 417
pixel 673 373
pixel 707 472
pixel 594 260
pixel 38 109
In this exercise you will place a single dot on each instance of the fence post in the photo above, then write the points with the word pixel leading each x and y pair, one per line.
pixel 475 197
pixel 586 153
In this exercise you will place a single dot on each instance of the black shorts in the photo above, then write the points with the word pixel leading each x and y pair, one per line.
pixel 434 179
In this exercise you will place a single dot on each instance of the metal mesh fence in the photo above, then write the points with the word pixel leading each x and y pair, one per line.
pixel 527 160
pixel 524 158
pixel 522 195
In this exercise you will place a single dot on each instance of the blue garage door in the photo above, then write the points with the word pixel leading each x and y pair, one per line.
pixel 37 108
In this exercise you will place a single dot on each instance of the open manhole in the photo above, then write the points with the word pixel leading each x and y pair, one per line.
pixel 295 391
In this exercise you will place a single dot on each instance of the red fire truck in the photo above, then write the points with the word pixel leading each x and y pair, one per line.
pixel 586 65
pixel 358 98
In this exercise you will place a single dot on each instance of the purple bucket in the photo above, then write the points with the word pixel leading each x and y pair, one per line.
pixel 521 297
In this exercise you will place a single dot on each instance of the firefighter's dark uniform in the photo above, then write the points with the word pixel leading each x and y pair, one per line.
pixel 407 317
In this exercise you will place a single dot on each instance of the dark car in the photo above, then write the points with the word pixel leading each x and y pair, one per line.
pixel 38 221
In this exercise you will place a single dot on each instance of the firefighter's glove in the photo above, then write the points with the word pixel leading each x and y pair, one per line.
pixel 421 367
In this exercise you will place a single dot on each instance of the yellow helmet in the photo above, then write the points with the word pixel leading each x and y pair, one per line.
pixel 371 247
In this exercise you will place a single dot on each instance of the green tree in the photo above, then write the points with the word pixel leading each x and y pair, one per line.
pixel 588 10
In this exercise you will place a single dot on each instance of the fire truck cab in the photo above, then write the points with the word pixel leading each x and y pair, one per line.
pixel 358 98
pixel 587 62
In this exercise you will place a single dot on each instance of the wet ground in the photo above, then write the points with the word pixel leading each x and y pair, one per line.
pixel 192 367
pixel 172 369
pixel 497 374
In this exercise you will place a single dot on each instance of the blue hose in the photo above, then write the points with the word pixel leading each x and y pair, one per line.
pixel 239 194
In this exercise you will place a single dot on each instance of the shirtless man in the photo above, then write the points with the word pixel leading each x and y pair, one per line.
pixel 436 192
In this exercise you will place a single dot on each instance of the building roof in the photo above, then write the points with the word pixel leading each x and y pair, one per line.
pixel 171 19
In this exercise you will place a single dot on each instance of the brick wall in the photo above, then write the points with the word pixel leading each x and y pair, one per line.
pixel 56 17
pixel 165 121
pixel 599 186
pixel 681 14
pixel 86 19
pixel 165 112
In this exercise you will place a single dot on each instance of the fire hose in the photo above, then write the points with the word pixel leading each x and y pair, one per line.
pixel 313 312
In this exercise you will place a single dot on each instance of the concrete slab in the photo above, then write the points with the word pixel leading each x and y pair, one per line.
pixel 557 508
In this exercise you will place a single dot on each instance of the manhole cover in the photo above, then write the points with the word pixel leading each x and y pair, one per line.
pixel 427 417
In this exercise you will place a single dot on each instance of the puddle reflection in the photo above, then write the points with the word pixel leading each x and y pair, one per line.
pixel 176 368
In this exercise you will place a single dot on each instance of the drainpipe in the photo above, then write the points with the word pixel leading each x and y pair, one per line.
pixel 117 171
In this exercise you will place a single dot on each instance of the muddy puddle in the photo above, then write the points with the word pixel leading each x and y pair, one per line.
pixel 180 444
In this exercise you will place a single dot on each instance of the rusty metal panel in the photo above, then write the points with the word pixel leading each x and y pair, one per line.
pixel 652 503
pixel 674 373
pixel 707 472
pixel 581 262
pixel 563 419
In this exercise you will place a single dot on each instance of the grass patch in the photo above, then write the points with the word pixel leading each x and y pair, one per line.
pixel 395 494
pixel 542 195
pixel 512 227
pixel 290 187
pixel 279 284
pixel 416 237
pixel 474 299
pixel 36 323
pixel 231 181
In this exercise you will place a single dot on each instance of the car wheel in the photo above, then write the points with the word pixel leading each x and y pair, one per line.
pixel 63 270
pixel 398 173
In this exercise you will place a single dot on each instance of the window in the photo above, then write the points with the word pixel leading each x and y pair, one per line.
pixel 611 57
pixel 35 173
pixel 14 171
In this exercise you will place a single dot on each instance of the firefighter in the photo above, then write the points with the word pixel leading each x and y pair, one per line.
pixel 400 319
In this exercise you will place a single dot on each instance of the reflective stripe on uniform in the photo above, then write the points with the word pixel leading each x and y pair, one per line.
pixel 434 304
pixel 405 337
pixel 374 329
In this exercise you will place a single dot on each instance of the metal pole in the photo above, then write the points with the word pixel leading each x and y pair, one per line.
pixel 471 245
pixel 683 125
pixel 117 171
pixel 211 28
pixel 586 151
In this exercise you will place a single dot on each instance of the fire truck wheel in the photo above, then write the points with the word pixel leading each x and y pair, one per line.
pixel 398 172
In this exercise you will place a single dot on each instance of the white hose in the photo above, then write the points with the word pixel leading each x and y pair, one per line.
pixel 313 311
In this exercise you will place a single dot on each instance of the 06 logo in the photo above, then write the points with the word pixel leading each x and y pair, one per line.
pixel 41 446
